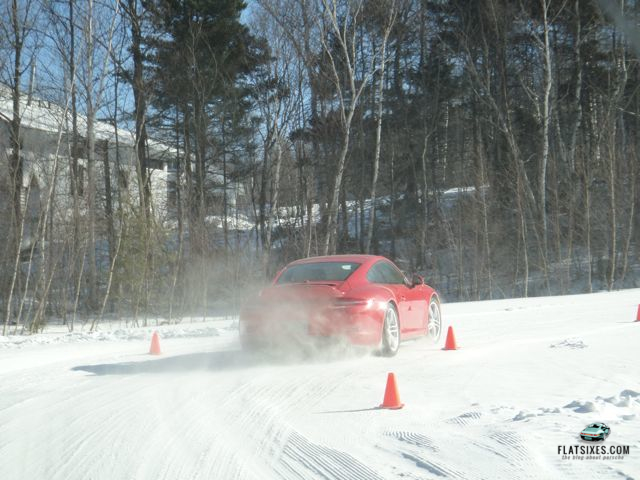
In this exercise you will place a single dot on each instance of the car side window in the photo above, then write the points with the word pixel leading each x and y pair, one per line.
pixel 383 272
pixel 374 275
pixel 391 274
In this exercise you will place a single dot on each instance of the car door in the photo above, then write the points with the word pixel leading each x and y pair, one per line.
pixel 380 273
pixel 416 297
pixel 395 280
pixel 420 298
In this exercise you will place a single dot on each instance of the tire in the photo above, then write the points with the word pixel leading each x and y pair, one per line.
pixel 434 325
pixel 390 332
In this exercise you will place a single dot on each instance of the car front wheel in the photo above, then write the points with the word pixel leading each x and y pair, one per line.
pixel 434 325
pixel 390 332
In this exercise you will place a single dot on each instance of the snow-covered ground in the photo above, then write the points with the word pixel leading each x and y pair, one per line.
pixel 530 374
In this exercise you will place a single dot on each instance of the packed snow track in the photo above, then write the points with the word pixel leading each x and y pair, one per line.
pixel 530 374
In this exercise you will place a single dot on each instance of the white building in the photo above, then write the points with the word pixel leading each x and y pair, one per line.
pixel 46 152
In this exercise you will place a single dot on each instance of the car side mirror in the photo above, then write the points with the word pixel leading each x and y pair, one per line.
pixel 416 280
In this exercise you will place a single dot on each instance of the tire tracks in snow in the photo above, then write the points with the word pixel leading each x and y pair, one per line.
pixel 413 438
pixel 242 428
pixel 323 462
pixel 269 412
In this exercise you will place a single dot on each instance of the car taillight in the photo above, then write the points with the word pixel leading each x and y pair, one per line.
pixel 353 302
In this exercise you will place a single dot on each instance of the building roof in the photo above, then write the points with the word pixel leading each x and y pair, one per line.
pixel 50 117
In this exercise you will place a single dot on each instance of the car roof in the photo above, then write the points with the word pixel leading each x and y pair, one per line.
pixel 339 258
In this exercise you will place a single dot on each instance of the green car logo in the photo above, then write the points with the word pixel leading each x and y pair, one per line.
pixel 595 431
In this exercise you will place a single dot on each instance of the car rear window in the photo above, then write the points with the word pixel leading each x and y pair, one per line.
pixel 318 272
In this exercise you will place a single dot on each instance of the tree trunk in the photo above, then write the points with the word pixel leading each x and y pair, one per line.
pixel 16 221
pixel 376 155
pixel 544 157
pixel 140 105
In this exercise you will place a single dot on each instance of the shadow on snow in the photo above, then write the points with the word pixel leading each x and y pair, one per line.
pixel 211 361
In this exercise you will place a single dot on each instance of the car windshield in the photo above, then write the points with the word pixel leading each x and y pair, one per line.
pixel 318 272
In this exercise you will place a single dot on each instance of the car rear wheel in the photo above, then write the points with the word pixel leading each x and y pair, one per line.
pixel 434 325
pixel 390 332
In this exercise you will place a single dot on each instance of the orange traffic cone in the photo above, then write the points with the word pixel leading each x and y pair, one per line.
pixel 391 396
pixel 155 345
pixel 450 344
pixel 638 314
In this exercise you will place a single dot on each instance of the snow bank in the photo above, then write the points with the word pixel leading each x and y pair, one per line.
pixel 117 335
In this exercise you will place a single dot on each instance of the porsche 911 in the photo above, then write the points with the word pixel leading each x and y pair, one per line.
pixel 364 299
pixel 595 431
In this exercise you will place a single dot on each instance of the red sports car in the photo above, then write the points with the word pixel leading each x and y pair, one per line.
pixel 363 298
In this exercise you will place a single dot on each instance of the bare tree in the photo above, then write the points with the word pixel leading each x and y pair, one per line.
pixel 16 33
pixel 339 21
pixel 97 46
pixel 390 12
pixel 274 99
pixel 134 15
